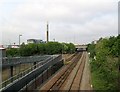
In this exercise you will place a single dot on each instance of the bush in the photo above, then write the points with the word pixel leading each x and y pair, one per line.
pixel 105 67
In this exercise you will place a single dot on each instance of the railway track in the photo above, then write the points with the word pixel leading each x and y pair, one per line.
pixel 71 57
pixel 63 81
pixel 74 81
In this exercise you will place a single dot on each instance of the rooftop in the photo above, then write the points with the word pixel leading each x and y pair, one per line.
pixel 2 48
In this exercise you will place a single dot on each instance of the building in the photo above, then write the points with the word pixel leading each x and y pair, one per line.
pixel 36 41
pixel 2 52
pixel 11 46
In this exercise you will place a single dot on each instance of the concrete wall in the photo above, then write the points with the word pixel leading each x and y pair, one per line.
pixel 2 52
pixel 0 67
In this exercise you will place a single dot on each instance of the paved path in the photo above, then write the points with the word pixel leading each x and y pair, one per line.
pixel 86 78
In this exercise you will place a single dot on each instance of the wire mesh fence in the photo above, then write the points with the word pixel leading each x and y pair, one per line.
pixel 7 61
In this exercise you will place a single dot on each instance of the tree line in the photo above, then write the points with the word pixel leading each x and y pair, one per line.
pixel 104 63
pixel 41 49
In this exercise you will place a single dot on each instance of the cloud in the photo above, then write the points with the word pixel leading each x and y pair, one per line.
pixel 78 21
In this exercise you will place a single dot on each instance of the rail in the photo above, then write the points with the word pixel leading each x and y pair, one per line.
pixel 57 85
pixel 57 82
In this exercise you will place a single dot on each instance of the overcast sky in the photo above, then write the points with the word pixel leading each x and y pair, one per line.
pixel 77 21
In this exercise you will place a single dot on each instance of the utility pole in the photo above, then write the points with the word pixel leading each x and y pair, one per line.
pixel 19 53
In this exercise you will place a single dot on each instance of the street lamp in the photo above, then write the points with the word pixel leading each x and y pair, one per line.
pixel 19 52
pixel 19 40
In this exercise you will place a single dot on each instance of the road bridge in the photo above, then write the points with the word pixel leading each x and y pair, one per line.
pixel 81 47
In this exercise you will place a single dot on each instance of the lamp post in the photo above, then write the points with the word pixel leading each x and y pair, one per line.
pixel 19 40
pixel 19 53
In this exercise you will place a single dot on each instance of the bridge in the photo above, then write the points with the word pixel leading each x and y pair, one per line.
pixel 81 47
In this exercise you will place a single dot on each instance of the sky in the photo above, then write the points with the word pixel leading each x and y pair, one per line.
pixel 76 21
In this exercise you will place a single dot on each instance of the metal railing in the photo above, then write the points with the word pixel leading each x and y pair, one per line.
pixel 21 74
pixel 46 74
pixel 19 81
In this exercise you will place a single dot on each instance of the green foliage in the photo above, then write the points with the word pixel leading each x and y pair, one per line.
pixel 23 50
pixel 12 52
pixel 98 84
pixel 70 48
pixel 105 66
pixel 91 49
pixel 53 48
pixel 43 48
pixel 112 45
pixel 64 47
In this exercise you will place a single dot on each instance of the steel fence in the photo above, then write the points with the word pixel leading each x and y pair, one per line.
pixel 19 81
pixel 44 76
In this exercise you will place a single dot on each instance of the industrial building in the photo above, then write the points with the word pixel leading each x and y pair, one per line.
pixel 36 41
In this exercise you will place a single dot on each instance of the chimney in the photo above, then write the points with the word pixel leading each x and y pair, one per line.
pixel 47 32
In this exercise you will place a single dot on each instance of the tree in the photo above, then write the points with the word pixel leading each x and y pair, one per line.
pixel 43 48
pixel 12 52
pixel 105 67
pixel 53 48
pixel 91 49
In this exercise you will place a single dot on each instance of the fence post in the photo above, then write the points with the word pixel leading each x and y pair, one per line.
pixel 34 65
pixel 47 73
pixel 42 77
pixel 11 72
pixel 35 83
